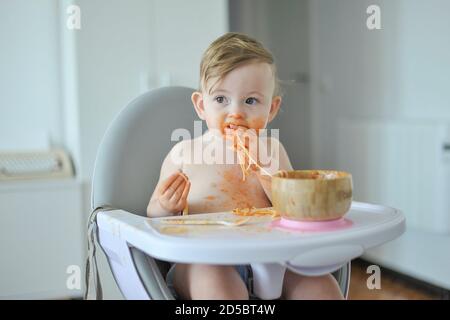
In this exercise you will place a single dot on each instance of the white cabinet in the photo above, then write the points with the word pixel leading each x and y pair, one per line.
pixel 42 233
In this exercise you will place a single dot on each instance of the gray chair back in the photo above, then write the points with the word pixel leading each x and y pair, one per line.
pixel 133 148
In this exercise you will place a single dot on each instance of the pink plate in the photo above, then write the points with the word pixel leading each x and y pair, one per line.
pixel 327 225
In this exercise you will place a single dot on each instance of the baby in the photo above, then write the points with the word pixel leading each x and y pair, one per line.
pixel 238 93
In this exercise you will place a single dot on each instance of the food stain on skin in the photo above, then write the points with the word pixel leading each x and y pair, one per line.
pixel 258 123
pixel 238 193
pixel 292 201
pixel 209 204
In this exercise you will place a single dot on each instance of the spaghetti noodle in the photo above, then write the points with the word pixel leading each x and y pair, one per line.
pixel 186 208
pixel 245 157
pixel 256 212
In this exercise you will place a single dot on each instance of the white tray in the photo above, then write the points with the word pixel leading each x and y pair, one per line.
pixel 269 250
pixel 256 241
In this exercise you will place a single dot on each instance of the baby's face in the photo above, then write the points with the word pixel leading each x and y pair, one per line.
pixel 243 98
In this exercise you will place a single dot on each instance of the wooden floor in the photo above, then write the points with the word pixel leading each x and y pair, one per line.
pixel 393 286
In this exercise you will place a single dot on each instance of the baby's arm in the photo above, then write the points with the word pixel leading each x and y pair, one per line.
pixel 284 164
pixel 170 194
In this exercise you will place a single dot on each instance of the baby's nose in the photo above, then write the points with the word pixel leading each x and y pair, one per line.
pixel 236 111
pixel 235 115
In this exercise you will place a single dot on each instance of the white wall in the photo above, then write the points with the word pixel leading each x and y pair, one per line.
pixel 423 59
pixel 183 30
pixel 30 114
pixel 400 71
pixel 113 48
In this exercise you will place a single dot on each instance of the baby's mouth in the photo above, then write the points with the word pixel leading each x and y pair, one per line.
pixel 231 127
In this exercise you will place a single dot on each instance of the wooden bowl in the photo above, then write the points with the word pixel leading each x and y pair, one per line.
pixel 312 195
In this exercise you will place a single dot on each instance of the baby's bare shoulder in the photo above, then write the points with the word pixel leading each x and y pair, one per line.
pixel 273 143
pixel 179 151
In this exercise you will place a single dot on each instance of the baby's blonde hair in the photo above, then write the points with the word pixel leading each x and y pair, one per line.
pixel 230 51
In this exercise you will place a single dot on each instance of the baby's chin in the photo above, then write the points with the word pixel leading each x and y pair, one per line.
pixel 220 133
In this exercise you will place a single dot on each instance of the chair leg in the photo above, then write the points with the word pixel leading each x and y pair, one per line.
pixel 150 274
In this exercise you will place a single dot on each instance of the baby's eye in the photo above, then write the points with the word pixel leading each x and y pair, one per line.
pixel 220 99
pixel 251 101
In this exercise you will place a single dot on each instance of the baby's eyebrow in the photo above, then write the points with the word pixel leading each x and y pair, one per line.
pixel 248 94
pixel 255 92
pixel 219 90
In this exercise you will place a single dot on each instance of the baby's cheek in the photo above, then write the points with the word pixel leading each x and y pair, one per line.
pixel 258 123
pixel 219 122
pixel 213 121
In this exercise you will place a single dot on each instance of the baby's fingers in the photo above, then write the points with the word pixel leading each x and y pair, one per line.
pixel 166 184
pixel 169 199
pixel 185 193
pixel 182 201
pixel 176 195
pixel 178 183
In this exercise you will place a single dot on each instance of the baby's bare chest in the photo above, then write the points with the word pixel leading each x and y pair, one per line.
pixel 216 188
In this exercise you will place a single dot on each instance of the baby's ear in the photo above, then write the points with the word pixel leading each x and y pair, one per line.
pixel 274 107
pixel 197 101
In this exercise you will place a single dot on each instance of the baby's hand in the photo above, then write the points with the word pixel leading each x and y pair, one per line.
pixel 173 193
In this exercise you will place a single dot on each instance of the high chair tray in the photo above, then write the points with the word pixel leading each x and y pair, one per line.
pixel 256 241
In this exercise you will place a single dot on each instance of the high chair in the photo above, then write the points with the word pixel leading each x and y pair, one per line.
pixel 126 172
